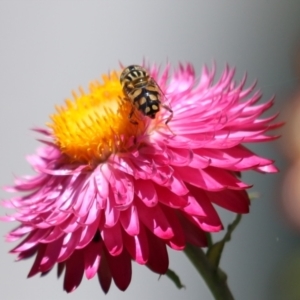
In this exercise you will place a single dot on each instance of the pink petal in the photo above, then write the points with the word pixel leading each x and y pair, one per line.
pixel 130 220
pixel 137 246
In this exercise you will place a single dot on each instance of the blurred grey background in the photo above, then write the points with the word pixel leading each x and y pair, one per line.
pixel 48 48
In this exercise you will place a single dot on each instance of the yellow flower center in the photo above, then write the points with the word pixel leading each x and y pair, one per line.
pixel 97 124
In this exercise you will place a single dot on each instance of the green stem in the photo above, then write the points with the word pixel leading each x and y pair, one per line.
pixel 214 277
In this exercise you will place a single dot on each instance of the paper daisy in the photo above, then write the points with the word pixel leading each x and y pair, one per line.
pixel 114 185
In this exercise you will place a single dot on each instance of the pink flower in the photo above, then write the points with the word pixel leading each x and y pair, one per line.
pixel 109 190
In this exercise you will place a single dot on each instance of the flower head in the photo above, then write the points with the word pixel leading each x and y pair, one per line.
pixel 110 188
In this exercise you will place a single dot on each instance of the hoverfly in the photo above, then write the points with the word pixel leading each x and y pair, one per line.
pixel 143 91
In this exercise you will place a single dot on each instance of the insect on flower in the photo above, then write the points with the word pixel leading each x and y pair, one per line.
pixel 143 91
pixel 106 193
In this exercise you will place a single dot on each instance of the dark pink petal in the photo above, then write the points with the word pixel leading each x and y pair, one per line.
pixel 205 224
pixel 211 179
pixel 145 190
pixel 54 234
pixel 69 245
pixel 155 220
pixel 51 254
pixel 192 233
pixel 88 232
pixel 74 271
pixel 210 215
pixel 158 260
pixel 92 255
pixel 28 253
pixel 37 262
pixel 177 242
pixel 233 200
pixel 120 267
pixel 60 268
pixel 236 158
pixel 104 273
pixel 112 238
pixel 170 199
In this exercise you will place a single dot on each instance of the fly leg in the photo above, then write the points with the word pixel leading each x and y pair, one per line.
pixel 170 111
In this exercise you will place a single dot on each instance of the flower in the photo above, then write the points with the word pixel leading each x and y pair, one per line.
pixel 110 189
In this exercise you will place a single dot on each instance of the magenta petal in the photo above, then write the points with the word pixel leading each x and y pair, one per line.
pixel 155 220
pixel 51 254
pixel 122 187
pixel 84 200
pixel 101 185
pixel 54 234
pixel 31 240
pixel 177 242
pixel 158 261
pixel 268 169
pixel 179 157
pixel 104 273
pixel 28 253
pixel 137 246
pixel 69 245
pixel 177 185
pixel 121 275
pixel 112 238
pixel 130 220
pixel 111 213
pixel 37 262
pixel 170 199
pixel 235 201
pixel 192 233
pixel 145 190
pixel 205 224
pixel 74 271
pixel 92 254
pixel 60 269
pixel 87 234
pixel 202 203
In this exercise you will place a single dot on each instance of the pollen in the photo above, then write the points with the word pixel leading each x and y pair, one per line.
pixel 94 125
